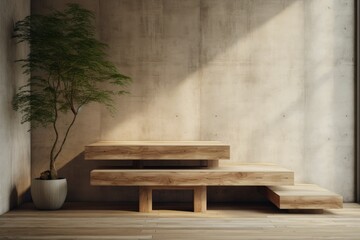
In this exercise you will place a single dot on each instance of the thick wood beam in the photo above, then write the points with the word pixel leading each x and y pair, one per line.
pixel 242 175
pixel 157 150
pixel 303 196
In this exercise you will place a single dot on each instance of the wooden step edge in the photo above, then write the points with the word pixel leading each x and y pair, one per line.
pixel 157 151
pixel 189 177
pixel 180 143
pixel 303 196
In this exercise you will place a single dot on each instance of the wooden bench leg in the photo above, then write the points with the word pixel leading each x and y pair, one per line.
pixel 200 199
pixel 145 199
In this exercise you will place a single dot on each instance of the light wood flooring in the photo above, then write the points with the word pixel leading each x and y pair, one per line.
pixel 105 221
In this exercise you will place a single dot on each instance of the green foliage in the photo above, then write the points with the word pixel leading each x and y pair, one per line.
pixel 67 66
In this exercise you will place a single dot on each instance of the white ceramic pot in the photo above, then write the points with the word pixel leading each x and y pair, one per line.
pixel 49 194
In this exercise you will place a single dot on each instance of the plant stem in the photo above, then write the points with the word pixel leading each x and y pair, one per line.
pixel 53 172
pixel 66 135
pixel 52 159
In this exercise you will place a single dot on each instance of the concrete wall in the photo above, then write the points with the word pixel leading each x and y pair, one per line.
pixel 14 137
pixel 273 78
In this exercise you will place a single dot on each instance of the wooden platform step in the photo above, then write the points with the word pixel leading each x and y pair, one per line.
pixel 240 175
pixel 157 150
pixel 303 196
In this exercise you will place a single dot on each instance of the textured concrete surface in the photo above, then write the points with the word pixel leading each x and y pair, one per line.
pixel 14 137
pixel 272 78
pixel 329 96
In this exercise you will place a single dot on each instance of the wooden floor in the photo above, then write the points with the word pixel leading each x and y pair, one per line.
pixel 89 221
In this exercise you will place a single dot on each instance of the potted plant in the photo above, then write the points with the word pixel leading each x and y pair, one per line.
pixel 66 65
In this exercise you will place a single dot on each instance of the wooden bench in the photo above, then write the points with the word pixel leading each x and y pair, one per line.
pixel 303 196
pixel 278 181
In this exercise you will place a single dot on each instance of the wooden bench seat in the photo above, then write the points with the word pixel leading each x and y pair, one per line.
pixel 210 151
pixel 242 175
pixel 303 196
pixel 157 150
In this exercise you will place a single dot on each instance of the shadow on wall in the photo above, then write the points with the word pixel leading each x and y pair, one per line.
pixel 14 138
pixel 14 198
pixel 165 47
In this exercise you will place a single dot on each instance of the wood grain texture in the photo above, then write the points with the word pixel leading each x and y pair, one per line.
pixel 157 150
pixel 241 175
pixel 200 199
pixel 145 199
pixel 84 221
pixel 303 196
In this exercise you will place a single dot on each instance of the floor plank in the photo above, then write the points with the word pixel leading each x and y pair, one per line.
pixel 226 222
